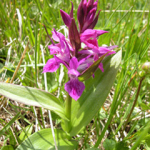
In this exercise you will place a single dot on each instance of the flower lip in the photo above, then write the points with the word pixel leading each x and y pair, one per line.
pixel 75 88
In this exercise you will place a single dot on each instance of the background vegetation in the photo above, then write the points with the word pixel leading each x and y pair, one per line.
pixel 128 24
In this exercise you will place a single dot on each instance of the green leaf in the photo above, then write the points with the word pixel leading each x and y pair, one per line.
pixel 141 136
pixel 33 97
pixel 8 147
pixel 95 93
pixel 109 144
pixel 144 106
pixel 121 146
pixel 26 133
pixel 92 149
pixel 43 140
pixel 147 140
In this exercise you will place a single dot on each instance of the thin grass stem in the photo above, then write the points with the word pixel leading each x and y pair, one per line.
pixel 134 103
pixel 49 112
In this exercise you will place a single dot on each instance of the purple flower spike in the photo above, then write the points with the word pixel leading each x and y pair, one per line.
pixel 80 60
pixel 75 88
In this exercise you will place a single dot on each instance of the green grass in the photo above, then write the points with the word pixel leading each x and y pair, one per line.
pixel 129 30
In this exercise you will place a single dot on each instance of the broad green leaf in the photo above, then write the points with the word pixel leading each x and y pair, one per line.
pixel 43 140
pixel 33 97
pixel 95 93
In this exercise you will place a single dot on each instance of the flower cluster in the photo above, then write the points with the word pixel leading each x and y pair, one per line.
pixel 69 52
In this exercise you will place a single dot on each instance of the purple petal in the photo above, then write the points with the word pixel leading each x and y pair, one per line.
pixel 51 66
pixel 64 57
pixel 57 36
pixel 74 88
pixel 86 64
pixel 80 15
pixel 59 60
pixel 89 19
pixel 84 59
pixel 101 67
pixel 74 36
pixel 68 48
pixel 91 15
pixel 93 75
pixel 62 43
pixel 112 47
pixel 89 33
pixel 90 5
pixel 89 52
pixel 95 3
pixel 92 43
pixel 104 50
pixel 54 49
pixel 73 72
pixel 66 18
pixel 85 7
pixel 100 32
pixel 73 64
pixel 92 25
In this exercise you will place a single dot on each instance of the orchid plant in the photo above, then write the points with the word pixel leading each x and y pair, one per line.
pixel 90 77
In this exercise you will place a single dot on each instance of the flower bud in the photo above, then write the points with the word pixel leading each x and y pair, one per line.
pixel 74 37
pixel 66 18
pixel 142 74
pixel 146 67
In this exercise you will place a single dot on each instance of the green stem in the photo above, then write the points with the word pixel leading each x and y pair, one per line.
pixel 68 111
pixel 68 106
